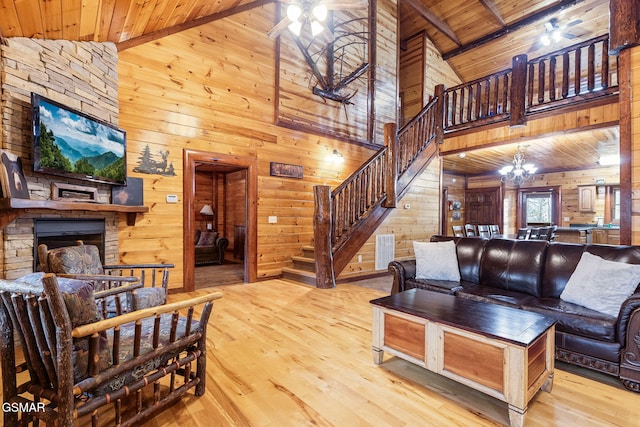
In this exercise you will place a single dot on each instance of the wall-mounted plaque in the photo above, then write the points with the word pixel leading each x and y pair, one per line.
pixel 285 170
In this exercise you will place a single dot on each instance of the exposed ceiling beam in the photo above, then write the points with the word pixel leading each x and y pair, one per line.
pixel 190 24
pixel 530 19
pixel 490 5
pixel 440 25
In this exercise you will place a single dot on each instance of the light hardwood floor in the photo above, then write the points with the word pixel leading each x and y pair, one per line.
pixel 286 354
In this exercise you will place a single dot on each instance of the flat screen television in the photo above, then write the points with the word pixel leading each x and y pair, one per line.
pixel 69 143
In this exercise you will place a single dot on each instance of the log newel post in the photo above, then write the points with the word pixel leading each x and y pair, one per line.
pixel 325 277
pixel 518 91
pixel 624 25
pixel 439 116
pixel 391 142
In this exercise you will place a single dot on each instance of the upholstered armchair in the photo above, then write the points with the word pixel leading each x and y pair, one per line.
pixel 74 362
pixel 209 247
pixel 147 283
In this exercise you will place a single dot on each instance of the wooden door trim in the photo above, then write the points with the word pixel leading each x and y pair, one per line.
pixel 190 160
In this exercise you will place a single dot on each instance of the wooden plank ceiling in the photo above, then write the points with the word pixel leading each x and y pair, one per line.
pixel 476 37
pixel 572 151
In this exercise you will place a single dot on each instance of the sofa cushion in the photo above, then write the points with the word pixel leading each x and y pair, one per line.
pixel 573 318
pixel 514 265
pixel 469 251
pixel 207 238
pixel 600 284
pixel 436 260
pixel 560 263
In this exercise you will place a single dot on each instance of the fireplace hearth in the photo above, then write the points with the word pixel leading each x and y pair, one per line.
pixel 59 232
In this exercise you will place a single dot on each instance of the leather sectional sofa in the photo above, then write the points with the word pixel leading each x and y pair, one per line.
pixel 531 275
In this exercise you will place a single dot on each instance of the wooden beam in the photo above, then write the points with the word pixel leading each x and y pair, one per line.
pixel 564 4
pixel 626 148
pixel 624 25
pixel 440 25
pixel 490 5
pixel 126 44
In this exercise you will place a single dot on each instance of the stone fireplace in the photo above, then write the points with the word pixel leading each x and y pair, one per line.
pixel 83 76
pixel 21 237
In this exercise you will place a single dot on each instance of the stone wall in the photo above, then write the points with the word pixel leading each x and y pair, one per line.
pixel 81 75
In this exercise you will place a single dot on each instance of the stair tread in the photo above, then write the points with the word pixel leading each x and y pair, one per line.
pixel 303 259
pixel 298 271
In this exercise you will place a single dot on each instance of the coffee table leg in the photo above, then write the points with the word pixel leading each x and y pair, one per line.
pixel 378 354
pixel 516 416
pixel 548 384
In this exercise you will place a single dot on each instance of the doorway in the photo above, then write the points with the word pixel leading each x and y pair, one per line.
pixel 242 171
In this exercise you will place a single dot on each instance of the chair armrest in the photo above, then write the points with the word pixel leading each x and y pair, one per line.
pixel 142 271
pixel 99 277
pixel 401 270
pixel 117 290
pixel 102 325
pixel 629 308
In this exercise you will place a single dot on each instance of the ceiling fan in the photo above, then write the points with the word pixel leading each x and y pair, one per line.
pixel 554 33
pixel 312 13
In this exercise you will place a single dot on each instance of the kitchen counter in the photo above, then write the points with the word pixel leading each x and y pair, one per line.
pixel 586 234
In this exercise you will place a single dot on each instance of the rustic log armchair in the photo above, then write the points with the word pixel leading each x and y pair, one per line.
pixel 147 283
pixel 75 363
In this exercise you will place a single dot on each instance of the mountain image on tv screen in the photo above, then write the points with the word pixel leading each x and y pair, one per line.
pixel 76 144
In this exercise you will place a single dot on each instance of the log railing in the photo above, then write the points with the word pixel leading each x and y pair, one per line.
pixel 485 99
pixel 347 216
pixel 579 73
pixel 582 70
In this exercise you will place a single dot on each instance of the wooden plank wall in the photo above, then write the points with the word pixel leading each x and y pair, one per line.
pixel 455 185
pixel 212 89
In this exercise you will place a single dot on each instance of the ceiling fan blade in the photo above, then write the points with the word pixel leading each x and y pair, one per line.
pixel 572 23
pixel 277 29
pixel 535 46
pixel 568 36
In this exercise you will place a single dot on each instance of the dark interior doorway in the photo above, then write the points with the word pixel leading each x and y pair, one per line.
pixel 229 183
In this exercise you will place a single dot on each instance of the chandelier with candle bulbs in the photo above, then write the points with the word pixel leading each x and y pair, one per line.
pixel 520 171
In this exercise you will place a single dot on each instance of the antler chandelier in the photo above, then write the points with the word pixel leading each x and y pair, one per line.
pixel 520 171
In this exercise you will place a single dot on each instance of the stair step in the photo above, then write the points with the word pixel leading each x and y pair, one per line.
pixel 309 252
pixel 304 263
pixel 301 276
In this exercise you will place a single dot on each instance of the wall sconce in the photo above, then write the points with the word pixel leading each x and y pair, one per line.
pixel 336 158
pixel 207 214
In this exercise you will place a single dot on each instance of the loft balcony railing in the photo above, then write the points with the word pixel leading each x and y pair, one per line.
pixel 580 73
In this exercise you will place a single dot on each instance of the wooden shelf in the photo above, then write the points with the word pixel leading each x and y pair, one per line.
pixel 12 208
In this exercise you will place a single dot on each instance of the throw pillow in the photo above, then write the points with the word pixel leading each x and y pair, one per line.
pixel 207 238
pixel 437 261
pixel 600 284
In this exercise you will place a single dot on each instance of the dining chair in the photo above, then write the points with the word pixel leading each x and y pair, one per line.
pixel 470 230
pixel 483 231
pixel 458 230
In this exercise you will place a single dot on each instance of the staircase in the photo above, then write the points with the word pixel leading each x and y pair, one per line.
pixel 347 216
pixel 304 267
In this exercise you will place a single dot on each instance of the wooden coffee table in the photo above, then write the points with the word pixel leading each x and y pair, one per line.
pixel 501 351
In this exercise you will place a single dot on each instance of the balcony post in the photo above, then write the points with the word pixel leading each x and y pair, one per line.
pixel 518 91
pixel 439 117
pixel 391 141
pixel 325 277
pixel 624 25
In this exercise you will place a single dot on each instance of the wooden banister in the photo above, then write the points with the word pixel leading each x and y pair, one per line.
pixel 347 216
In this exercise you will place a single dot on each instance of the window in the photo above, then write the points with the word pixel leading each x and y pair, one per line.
pixel 538 206
pixel 615 204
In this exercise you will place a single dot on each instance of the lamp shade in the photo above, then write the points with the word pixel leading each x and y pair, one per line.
pixel 206 210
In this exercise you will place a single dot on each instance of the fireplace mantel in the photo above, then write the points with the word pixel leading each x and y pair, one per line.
pixel 12 208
